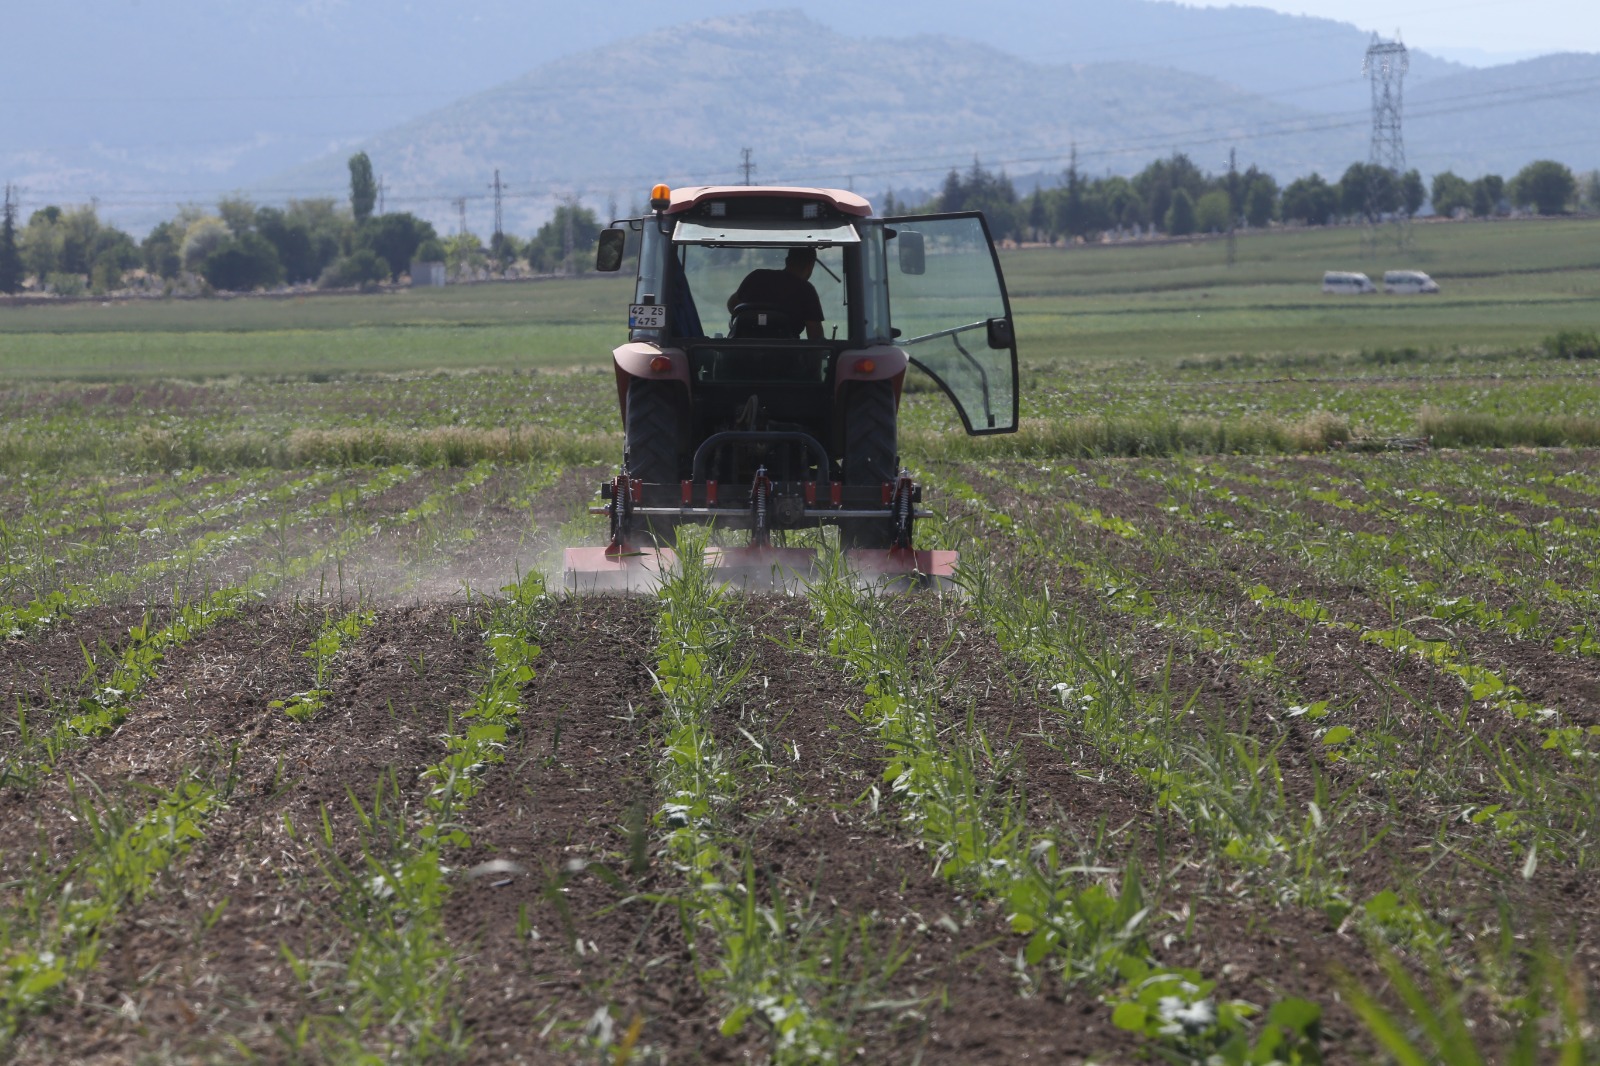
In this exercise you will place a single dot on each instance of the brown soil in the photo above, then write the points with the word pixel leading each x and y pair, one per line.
pixel 168 981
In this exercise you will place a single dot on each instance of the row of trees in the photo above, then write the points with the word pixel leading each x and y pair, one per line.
pixel 1174 196
pixel 240 246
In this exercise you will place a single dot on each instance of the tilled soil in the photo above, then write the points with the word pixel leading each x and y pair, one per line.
pixel 569 921
pixel 200 964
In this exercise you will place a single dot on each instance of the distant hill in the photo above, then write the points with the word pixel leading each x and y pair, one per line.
pixel 816 107
pixel 1499 118
pixel 820 107
pixel 161 102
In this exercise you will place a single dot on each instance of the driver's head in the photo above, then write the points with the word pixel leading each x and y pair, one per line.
pixel 801 261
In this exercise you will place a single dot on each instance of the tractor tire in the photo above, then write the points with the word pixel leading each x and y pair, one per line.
pixel 870 454
pixel 653 441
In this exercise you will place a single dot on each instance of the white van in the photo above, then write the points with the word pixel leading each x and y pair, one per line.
pixel 1408 282
pixel 1338 281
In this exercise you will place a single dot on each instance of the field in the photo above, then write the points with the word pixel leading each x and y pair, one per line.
pixel 1258 726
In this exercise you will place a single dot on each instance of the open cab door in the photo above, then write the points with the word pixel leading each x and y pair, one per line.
pixel 950 312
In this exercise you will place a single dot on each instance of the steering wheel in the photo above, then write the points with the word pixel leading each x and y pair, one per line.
pixel 745 321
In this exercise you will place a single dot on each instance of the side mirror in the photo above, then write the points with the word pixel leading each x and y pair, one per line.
pixel 913 257
pixel 608 253
pixel 1000 335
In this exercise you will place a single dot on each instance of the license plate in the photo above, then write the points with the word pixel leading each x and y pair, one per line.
pixel 647 316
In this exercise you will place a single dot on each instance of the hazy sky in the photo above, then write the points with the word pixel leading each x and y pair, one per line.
pixel 1492 27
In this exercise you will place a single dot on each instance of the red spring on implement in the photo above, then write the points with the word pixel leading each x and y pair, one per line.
pixel 760 507
pixel 624 494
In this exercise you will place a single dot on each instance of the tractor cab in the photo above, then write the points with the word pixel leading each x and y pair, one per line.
pixel 742 413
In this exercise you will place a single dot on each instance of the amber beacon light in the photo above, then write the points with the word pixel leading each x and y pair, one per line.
pixel 660 198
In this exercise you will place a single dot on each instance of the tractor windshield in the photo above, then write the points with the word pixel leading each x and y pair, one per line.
pixel 713 274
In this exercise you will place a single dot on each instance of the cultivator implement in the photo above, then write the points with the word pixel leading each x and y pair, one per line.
pixel 640 514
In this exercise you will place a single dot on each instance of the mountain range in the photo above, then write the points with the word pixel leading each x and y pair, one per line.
pixel 271 101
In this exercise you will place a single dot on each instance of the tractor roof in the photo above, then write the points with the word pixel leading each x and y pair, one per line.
pixel 846 202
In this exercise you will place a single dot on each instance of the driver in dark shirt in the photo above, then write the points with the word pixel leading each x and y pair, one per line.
pixel 788 291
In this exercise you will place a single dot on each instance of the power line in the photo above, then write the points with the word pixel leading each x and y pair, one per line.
pixel 499 190
pixel 1476 100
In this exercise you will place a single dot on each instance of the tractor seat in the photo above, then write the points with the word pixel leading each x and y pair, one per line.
pixel 762 321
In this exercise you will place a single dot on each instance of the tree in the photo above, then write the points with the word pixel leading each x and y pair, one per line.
pixel 200 238
pixel 1369 191
pixel 238 213
pixel 953 196
pixel 1546 185
pixel 1412 192
pixel 464 252
pixel 160 249
pixel 41 243
pixel 504 249
pixel 982 190
pixel 1310 200
pixel 363 187
pixel 1590 191
pixel 80 230
pixel 1211 214
pixel 112 254
pixel 1157 183
pixel 1074 218
pixel 330 228
pixel 361 268
pixel 243 263
pixel 1486 194
pixel 291 239
pixel 10 257
pixel 1180 218
pixel 394 237
pixel 1260 198
pixel 1451 193
pixel 1038 215
pixel 547 251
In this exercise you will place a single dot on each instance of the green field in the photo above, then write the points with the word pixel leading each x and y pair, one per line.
pixel 1506 286
pixel 1258 728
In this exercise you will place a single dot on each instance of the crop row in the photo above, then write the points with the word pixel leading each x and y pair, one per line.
pixel 1140 574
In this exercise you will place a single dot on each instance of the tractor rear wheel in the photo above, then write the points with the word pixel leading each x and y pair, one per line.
pixel 653 440
pixel 870 451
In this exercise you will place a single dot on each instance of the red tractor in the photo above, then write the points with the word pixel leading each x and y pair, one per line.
pixel 768 342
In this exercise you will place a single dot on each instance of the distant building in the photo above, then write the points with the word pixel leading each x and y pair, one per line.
pixel 426 274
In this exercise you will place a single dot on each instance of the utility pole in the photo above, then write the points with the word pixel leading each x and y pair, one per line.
pixel 1385 66
pixel 499 229
pixel 748 166
pixel 568 237
pixel 461 208
pixel 1233 201
pixel 380 194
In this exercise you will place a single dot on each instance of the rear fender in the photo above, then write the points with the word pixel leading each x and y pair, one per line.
pixel 632 360
pixel 889 364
